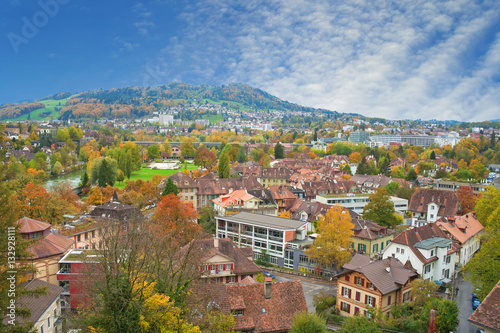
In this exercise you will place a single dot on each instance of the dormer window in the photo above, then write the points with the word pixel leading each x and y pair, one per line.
pixel 237 313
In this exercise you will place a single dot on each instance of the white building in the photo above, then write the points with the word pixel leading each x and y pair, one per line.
pixel 261 232
pixel 357 202
pixel 451 138
pixel 428 250
pixel 166 119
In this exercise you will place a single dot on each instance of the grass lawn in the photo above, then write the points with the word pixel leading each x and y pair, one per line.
pixel 213 118
pixel 147 174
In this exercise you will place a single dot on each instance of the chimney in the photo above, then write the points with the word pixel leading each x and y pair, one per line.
pixel 388 266
pixel 267 287
pixel 216 243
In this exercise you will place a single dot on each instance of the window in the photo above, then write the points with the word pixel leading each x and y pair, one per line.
pixel 448 259
pixel 382 246
pixel 406 296
pixel 231 279
pixel 48 321
pixel 55 314
pixel 427 269
pixel 370 300
pixel 42 329
pixel 237 313
pixel 345 307
pixel 356 310
pixel 397 250
pixel 432 253
pixel 346 292
pixel 375 248
pixel 432 216
pixel 79 238
pixel 389 299
pixel 370 286
pixel 402 251
pixel 186 198
pixel 361 248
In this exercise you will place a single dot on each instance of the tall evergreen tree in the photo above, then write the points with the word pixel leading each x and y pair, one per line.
pixel 224 169
pixel 433 155
pixel 170 188
pixel 242 157
pixel 278 151
pixel 362 167
pixel 128 164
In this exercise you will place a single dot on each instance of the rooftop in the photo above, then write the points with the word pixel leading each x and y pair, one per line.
pixel 432 243
pixel 266 221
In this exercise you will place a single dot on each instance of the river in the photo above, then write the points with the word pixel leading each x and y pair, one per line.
pixel 73 178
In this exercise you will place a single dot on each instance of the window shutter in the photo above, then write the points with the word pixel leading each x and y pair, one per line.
pixel 236 278
pixel 389 300
pixel 347 277
pixel 348 308
pixel 362 282
pixel 209 267
pixel 366 299
pixel 224 267
pixel 231 266
pixel 343 291
pixel 358 296
pixel 201 268
pixel 227 279
pixel 349 293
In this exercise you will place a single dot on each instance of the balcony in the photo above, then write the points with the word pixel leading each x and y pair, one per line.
pixel 263 236
pixel 276 239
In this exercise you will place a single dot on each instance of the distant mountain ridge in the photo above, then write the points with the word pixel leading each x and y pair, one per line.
pixel 142 101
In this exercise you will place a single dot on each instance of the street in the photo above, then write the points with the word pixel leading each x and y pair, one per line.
pixel 463 300
pixel 310 286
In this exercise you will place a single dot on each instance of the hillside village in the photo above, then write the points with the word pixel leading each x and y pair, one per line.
pixel 225 222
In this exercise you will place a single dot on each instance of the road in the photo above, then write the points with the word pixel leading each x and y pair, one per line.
pixel 310 286
pixel 463 300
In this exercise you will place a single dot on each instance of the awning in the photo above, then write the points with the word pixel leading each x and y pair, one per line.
pixel 438 282
pixel 446 280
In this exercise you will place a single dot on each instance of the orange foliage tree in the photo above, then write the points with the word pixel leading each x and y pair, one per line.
pixel 31 201
pixel 467 199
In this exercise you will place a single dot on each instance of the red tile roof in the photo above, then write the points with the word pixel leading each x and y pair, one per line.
pixel 488 312
pixel 27 225
pixel 460 227
pixel 447 201
pixel 50 245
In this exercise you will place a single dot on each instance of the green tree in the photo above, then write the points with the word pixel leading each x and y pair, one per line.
pixel 170 188
pixel 206 219
pixel 446 314
pixel 56 169
pixel 422 291
pixel 241 157
pixel 104 171
pixel 411 175
pixel 323 301
pixel 305 322
pixel 433 155
pixel 40 161
pixel 362 168
pixel 84 179
pixel 279 152
pixel 154 152
pixel 120 176
pixel 62 134
pixel 359 324
pixel 380 209
pixel 224 169
pixel 487 207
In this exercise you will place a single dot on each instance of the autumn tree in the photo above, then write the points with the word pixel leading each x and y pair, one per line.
pixel 285 214
pixel 355 157
pixel 380 209
pixel 206 218
pixel 360 324
pixel 204 158
pixel 61 201
pixel 334 237
pixel 31 201
pixel 467 199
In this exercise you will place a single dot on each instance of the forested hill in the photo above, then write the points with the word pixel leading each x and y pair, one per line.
pixel 142 101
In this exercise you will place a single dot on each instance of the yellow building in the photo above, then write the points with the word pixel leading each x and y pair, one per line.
pixel 380 284
pixel 369 237
pixel 46 251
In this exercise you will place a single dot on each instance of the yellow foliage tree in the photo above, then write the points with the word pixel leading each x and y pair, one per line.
pixel 285 214
pixel 355 157
pixel 335 232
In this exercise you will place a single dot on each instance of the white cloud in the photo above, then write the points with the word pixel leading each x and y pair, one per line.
pixel 396 60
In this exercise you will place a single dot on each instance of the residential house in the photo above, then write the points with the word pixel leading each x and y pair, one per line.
pixel 357 202
pixel 224 262
pixel 235 202
pixel 46 249
pixel 466 230
pixel 267 205
pixel 45 310
pixel 283 197
pixel 428 205
pixel 188 188
pixel 487 315
pixel 261 232
pixel 115 210
pixel 274 176
pixel 428 250
pixel 369 237
pixel 370 183
pixel 267 307
pixel 366 284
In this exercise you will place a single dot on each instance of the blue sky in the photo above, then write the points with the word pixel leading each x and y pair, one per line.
pixel 393 59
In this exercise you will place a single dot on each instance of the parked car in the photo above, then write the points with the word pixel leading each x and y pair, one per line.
pixel 268 274
pixel 475 301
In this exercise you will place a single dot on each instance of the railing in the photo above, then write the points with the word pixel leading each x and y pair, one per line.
pixel 263 236
pixel 278 239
